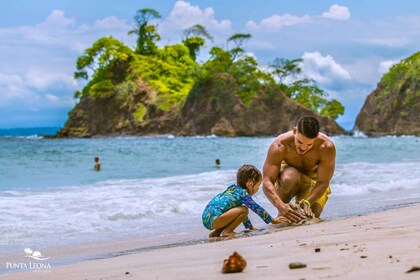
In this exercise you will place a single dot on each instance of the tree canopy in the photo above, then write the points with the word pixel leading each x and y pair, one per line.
pixel 147 34
pixel 193 39
pixel 303 90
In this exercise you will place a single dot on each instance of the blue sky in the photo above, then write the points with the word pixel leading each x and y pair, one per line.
pixel 346 45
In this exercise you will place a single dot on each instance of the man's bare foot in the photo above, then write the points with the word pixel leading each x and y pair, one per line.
pixel 216 232
pixel 226 233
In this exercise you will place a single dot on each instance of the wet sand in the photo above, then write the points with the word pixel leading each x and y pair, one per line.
pixel 376 246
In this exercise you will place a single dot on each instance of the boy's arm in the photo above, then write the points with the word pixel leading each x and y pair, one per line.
pixel 247 223
pixel 251 204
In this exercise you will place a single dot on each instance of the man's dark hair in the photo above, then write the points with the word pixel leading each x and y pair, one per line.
pixel 245 173
pixel 309 127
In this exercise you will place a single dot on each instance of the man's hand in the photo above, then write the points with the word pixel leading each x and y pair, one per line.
pixel 287 210
pixel 306 208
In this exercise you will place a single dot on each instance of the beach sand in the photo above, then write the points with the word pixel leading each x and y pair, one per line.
pixel 376 246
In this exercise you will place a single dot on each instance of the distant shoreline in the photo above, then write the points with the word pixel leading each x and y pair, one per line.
pixel 51 131
pixel 29 131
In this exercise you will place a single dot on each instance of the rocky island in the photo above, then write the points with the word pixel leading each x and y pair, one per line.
pixel 393 108
pixel 212 107
pixel 153 91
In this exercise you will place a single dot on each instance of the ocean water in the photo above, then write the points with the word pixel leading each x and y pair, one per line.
pixel 51 196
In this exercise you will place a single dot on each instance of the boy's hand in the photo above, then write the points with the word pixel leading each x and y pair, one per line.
pixel 252 228
pixel 279 220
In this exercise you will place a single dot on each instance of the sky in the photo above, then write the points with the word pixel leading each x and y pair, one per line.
pixel 346 46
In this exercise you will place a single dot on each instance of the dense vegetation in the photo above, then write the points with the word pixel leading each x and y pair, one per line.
pixel 402 78
pixel 113 69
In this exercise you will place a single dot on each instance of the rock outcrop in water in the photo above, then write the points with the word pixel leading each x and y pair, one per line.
pixel 211 107
pixel 393 108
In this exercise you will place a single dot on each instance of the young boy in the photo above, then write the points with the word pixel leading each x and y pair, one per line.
pixel 228 209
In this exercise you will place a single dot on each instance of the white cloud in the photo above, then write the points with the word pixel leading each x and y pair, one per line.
pixel 10 80
pixel 28 90
pixel 184 15
pixel 384 66
pixel 276 22
pixel 37 62
pixel 393 42
pixel 51 97
pixel 42 80
pixel 262 45
pixel 337 12
pixel 57 19
pixel 13 91
pixel 111 22
pixel 11 88
pixel 323 69
pixel 56 101
pixel 57 30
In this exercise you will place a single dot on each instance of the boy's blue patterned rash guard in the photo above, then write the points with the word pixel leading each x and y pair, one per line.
pixel 232 197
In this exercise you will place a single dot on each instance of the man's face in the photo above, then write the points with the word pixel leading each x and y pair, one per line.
pixel 302 143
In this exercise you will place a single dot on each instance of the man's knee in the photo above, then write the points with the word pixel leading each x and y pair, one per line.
pixel 289 181
pixel 316 209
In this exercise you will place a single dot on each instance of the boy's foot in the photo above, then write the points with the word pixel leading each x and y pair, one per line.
pixel 216 232
pixel 226 233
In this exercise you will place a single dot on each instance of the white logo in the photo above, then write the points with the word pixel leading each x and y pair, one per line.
pixel 36 255
pixel 35 266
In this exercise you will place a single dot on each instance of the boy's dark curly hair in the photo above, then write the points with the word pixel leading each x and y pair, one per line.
pixel 245 173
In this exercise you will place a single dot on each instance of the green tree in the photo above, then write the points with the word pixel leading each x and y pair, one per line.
pixel 245 70
pixel 193 39
pixel 168 72
pixel 220 61
pixel 147 34
pixel 283 68
pixel 304 91
pixel 307 93
pixel 105 54
pixel 238 40
pixel 332 109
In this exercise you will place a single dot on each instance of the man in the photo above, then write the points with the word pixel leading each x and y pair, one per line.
pixel 300 163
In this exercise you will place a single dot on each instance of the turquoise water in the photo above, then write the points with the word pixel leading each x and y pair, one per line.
pixel 50 195
pixel 38 164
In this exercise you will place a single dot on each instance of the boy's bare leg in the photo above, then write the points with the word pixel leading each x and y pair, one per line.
pixel 234 224
pixel 228 221
pixel 216 232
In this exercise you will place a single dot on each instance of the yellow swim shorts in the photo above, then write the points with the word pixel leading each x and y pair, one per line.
pixel 307 186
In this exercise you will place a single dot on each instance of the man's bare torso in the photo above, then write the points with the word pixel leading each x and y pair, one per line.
pixel 307 163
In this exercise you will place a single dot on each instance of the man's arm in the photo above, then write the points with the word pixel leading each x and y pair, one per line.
pixel 326 169
pixel 271 171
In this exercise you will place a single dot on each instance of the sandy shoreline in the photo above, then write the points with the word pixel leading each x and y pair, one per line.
pixel 376 246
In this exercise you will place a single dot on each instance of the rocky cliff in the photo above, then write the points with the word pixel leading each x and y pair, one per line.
pixel 212 107
pixel 393 108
